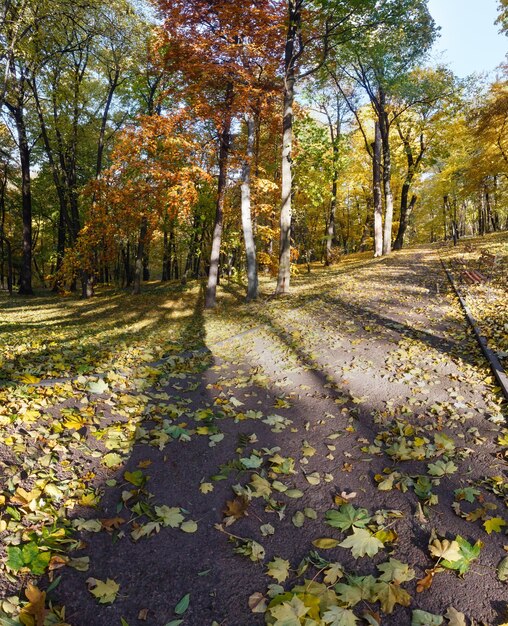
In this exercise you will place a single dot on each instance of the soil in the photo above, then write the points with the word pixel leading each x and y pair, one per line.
pixel 349 357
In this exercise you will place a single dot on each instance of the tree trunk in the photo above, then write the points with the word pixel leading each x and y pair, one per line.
pixel 412 167
pixel 146 264
pixel 367 227
pixel 445 217
pixel 330 222
pixel 294 23
pixel 166 259
pixel 138 268
pixel 25 283
pixel 330 226
pixel 376 186
pixel 384 127
pixel 113 84
pixel 4 239
pixel 250 245
pixel 63 217
pixel 224 146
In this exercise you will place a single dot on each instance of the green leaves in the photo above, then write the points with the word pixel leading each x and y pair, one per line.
pixel 251 549
pixel 335 616
pixel 28 556
pixel 104 591
pixel 502 569
pixel 462 559
pixel 279 569
pixel 289 613
pixel 442 468
pixel 362 543
pixel 347 516
pixel 182 605
pixel 356 589
pixel 136 478
pixel 395 571
pixel 422 618
pixel 169 516
pixel 390 594
pixel 494 524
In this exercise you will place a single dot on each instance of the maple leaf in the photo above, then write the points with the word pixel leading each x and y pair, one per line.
pixel 494 524
pixel 261 487
pixel 112 459
pixel 333 574
pixel 335 616
pixel 29 556
pixel 442 468
pixel 112 523
pixel 347 517
pixel 307 449
pixel 169 516
pixel 357 588
pixel 279 569
pixel 467 554
pixel 35 607
pixel 466 493
pixel 104 591
pixel 362 543
pixel 444 549
pixel 136 478
pixel 289 613
pixel 395 571
pixel 456 618
pixel 390 594
pixel 236 508
pixel 98 387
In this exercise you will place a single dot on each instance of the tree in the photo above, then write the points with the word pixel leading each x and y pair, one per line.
pixel 151 179
pixel 214 50
pixel 378 62
pixel 502 18
pixel 425 96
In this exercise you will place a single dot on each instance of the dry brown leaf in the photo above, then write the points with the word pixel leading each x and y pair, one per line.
pixel 456 617
pixel 143 615
pixel 425 583
pixel 371 617
pixel 112 523
pixel 236 508
pixel 257 602
pixel 57 562
pixel 37 599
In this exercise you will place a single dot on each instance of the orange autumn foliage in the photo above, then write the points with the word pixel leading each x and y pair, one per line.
pixel 153 177
pixel 208 45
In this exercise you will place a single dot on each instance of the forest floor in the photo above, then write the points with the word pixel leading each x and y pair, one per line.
pixel 338 456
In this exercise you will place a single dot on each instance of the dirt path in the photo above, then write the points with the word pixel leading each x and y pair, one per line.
pixel 339 390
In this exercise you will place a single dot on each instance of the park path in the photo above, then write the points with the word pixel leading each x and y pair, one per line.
pixel 365 362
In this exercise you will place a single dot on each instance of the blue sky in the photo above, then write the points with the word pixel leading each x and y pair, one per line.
pixel 469 40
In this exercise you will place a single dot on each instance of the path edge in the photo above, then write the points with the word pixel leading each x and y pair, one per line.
pixel 490 355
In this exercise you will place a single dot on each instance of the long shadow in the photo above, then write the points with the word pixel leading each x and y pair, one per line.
pixel 104 331
pixel 155 573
